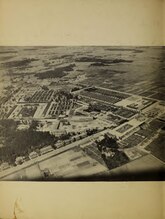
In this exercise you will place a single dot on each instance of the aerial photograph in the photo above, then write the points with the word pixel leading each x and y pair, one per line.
pixel 82 113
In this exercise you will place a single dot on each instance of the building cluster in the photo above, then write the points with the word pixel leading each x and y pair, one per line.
pixel 110 127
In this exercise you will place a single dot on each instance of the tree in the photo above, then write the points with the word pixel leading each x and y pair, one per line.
pixel 34 125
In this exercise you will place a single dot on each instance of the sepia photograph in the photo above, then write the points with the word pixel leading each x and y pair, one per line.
pixel 82 109
pixel 82 113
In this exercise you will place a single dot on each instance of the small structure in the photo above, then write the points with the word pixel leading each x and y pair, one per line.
pixel 59 144
pixel 19 160
pixel 33 155
pixel 101 138
pixel 45 150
